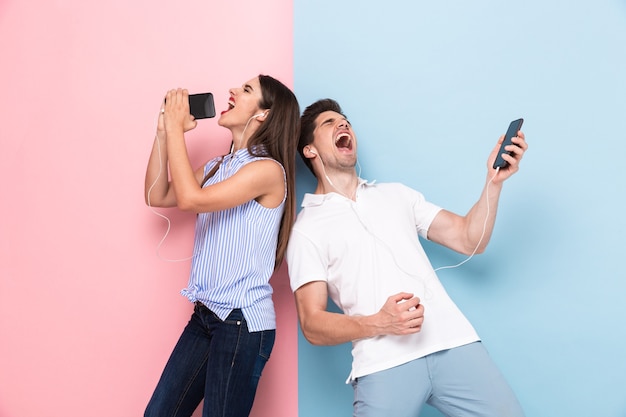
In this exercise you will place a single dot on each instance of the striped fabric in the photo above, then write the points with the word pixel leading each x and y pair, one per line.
pixel 234 254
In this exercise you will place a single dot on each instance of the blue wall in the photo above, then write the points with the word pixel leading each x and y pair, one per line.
pixel 429 87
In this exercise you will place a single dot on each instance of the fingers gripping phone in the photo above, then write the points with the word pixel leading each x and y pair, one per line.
pixel 201 106
pixel 512 131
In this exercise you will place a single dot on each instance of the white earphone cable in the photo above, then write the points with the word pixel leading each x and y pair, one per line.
pixel 483 233
pixel 169 223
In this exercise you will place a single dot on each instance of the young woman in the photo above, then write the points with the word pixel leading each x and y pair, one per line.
pixel 245 203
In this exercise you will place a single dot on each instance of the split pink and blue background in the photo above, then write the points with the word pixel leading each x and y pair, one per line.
pixel 89 312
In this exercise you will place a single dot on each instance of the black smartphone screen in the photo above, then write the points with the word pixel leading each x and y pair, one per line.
pixel 201 106
pixel 514 127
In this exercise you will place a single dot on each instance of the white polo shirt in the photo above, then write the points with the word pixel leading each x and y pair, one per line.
pixel 367 251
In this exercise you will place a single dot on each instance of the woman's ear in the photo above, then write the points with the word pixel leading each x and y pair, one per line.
pixel 263 115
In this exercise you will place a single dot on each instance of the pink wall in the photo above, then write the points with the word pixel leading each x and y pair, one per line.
pixel 88 312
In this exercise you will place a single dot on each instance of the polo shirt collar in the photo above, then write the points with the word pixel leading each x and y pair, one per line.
pixel 312 200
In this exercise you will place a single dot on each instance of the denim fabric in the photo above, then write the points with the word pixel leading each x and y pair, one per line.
pixel 220 361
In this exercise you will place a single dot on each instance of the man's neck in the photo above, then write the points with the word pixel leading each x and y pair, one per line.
pixel 344 184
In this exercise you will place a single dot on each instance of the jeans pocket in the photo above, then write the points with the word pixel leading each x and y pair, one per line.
pixel 267 343
pixel 265 349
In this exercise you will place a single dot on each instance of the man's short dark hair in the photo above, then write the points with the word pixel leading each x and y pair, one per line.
pixel 307 126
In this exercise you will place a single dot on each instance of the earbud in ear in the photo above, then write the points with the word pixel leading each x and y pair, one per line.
pixel 260 114
pixel 311 151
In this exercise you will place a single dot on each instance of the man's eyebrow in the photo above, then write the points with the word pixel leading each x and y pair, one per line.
pixel 334 118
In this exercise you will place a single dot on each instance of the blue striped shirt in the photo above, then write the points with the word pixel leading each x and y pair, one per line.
pixel 234 254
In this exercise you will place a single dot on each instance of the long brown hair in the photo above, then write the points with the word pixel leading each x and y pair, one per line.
pixel 277 137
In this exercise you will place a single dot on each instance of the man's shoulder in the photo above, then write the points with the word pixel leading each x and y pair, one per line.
pixel 394 188
pixel 387 185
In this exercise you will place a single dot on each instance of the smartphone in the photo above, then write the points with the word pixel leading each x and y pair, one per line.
pixel 514 127
pixel 201 106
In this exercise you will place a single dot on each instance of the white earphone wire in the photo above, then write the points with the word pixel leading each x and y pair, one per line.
pixel 483 233
pixel 169 223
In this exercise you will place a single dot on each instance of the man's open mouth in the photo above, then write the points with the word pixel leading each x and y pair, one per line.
pixel 343 141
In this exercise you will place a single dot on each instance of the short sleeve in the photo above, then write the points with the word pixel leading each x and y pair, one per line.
pixel 304 261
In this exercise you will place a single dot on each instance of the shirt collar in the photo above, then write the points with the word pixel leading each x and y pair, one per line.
pixel 312 200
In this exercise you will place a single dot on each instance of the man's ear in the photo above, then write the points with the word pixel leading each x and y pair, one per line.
pixel 310 152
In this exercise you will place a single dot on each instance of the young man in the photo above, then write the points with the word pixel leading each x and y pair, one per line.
pixel 358 243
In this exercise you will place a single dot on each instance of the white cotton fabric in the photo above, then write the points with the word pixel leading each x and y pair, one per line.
pixel 367 251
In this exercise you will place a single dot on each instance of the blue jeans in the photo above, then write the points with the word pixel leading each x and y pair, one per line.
pixel 462 381
pixel 220 361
